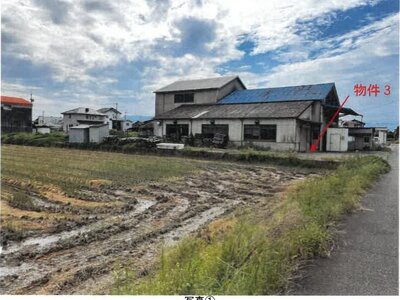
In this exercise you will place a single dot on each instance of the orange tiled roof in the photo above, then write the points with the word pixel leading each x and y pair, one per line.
pixel 15 101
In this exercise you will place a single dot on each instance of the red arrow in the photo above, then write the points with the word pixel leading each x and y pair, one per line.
pixel 314 146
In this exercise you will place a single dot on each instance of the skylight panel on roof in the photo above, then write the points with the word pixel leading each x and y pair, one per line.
pixel 200 114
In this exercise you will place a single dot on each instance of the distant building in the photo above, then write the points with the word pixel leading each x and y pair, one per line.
pixel 82 116
pixel 122 125
pixel 361 138
pixel 53 123
pixel 16 114
pixel 112 114
pixel 353 123
pixel 146 129
pixel 41 129
pixel 85 133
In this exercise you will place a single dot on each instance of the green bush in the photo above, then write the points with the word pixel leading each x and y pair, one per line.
pixel 34 139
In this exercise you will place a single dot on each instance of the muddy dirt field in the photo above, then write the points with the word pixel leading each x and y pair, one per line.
pixel 80 241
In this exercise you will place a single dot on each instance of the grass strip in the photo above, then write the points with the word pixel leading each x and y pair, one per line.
pixel 258 252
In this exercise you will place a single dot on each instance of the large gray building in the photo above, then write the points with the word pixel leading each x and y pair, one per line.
pixel 285 118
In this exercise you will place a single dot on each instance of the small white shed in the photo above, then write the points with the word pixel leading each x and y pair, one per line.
pixel 337 139
pixel 88 133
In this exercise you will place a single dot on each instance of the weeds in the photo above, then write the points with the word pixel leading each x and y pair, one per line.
pixel 258 255
pixel 22 201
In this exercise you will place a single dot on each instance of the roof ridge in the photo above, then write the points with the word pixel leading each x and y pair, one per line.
pixel 288 86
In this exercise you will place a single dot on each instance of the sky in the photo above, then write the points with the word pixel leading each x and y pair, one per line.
pixel 95 53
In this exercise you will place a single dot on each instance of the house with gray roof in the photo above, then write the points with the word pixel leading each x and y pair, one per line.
pixel 82 116
pixel 113 116
pixel 281 118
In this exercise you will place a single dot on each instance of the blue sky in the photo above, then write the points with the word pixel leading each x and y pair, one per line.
pixel 96 53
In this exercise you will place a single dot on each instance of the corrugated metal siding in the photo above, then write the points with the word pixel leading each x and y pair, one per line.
pixel 291 93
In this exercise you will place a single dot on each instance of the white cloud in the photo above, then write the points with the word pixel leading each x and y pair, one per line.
pixel 77 40
pixel 75 37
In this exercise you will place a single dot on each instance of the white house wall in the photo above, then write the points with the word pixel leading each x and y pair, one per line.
pixel 75 118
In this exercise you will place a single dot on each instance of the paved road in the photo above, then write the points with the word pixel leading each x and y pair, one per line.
pixel 366 261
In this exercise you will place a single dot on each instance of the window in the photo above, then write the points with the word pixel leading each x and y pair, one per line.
pixel 184 98
pixel 176 131
pixel 260 132
pixel 69 116
pixel 87 117
pixel 208 131
pixel 366 139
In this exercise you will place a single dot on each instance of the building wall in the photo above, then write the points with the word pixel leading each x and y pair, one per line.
pixel 70 120
pixel 16 118
pixel 312 113
pixel 285 131
pixel 337 139
pixel 382 135
pixel 166 101
pixel 77 135
pixel 229 88
pixel 97 134
pixel 363 138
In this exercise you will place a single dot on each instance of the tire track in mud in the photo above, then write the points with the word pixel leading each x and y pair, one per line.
pixel 72 260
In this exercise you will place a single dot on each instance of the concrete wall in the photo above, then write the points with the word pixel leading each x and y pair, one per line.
pixel 285 131
pixel 166 101
pixel 70 120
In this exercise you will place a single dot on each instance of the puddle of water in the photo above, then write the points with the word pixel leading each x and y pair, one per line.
pixel 11 270
pixel 43 203
pixel 43 241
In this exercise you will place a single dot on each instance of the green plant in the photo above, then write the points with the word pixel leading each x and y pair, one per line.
pixel 258 255
pixel 22 201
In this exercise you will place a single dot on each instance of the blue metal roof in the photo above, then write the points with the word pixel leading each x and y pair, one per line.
pixel 290 93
